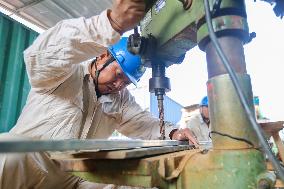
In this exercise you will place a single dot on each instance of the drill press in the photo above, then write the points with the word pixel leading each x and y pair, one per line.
pixel 159 84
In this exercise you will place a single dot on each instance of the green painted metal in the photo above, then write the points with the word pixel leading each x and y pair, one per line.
pixel 142 172
pixel 131 172
pixel 222 23
pixel 176 29
pixel 230 118
pixel 14 84
pixel 217 169
pixel 214 169
pixel 233 24
pixel 173 27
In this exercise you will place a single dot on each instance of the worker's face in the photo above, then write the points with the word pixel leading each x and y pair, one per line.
pixel 111 78
pixel 204 111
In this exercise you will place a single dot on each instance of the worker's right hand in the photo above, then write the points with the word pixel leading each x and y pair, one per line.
pixel 185 134
pixel 125 14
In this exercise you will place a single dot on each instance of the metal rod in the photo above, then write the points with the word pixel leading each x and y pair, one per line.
pixel 76 144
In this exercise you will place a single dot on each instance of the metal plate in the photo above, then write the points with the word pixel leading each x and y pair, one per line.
pixel 75 144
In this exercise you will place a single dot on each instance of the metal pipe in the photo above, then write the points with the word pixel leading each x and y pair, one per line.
pixel 230 127
pixel 233 48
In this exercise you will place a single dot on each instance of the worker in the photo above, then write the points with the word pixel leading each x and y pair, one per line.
pixel 199 122
pixel 74 100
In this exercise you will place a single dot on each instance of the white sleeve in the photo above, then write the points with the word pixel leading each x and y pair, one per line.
pixel 56 53
pixel 136 123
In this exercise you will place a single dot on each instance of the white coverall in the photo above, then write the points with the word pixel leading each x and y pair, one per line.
pixel 198 127
pixel 62 103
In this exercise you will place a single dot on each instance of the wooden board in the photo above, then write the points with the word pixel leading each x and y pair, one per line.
pixel 272 127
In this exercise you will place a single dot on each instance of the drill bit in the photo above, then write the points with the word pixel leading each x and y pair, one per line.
pixel 161 116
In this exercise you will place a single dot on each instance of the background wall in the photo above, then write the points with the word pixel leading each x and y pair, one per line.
pixel 14 84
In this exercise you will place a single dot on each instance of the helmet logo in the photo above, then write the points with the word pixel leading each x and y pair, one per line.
pixel 120 58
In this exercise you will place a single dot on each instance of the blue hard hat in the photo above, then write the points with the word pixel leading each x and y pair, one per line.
pixel 255 100
pixel 204 101
pixel 130 64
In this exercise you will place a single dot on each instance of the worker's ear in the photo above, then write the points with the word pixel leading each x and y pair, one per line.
pixel 108 54
pixel 102 58
pixel 103 55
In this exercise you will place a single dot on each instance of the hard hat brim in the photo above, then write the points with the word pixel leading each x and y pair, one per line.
pixel 129 76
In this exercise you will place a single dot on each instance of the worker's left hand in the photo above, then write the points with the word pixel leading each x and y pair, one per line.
pixel 185 134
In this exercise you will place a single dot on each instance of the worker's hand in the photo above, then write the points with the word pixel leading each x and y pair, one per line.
pixel 125 14
pixel 185 134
